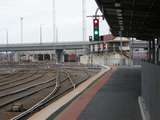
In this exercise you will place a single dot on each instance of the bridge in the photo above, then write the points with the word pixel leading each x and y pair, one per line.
pixel 55 46
pixel 44 46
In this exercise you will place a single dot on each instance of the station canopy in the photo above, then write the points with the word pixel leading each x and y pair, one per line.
pixel 132 18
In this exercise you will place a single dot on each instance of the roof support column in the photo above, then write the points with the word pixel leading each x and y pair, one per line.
pixel 149 50
pixel 153 51
pixel 158 52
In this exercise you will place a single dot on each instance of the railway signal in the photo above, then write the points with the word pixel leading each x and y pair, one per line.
pixel 96 29
pixel 90 38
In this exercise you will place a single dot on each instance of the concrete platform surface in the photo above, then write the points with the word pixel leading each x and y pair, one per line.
pixel 45 113
pixel 73 111
pixel 117 99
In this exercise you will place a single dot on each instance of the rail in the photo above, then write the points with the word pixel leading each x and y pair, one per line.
pixel 69 77
pixel 42 102
pixel 50 97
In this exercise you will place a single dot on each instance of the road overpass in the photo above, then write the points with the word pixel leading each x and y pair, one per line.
pixel 55 46
pixel 44 46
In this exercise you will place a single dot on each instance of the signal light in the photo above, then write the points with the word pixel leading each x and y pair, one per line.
pixel 90 38
pixel 95 21
pixel 96 32
pixel 96 29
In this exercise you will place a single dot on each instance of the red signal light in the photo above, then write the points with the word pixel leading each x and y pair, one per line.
pixel 96 21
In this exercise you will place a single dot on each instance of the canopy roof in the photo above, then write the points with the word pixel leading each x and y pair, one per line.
pixel 132 18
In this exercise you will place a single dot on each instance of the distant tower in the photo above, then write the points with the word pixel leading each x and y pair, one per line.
pixel 84 19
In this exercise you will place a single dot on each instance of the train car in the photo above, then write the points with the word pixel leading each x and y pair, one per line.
pixel 72 57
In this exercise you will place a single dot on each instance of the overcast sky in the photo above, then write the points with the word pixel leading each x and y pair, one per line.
pixel 36 12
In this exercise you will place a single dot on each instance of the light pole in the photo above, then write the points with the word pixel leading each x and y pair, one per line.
pixel 21 27
pixel 6 33
pixel 7 37
pixel 56 35
pixel 6 30
pixel 7 44
pixel 54 20
pixel 84 18
pixel 40 34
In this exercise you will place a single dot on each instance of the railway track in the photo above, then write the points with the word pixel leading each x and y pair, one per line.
pixel 11 76
pixel 5 75
pixel 19 76
pixel 16 91
pixel 32 79
pixel 61 87
pixel 21 89
pixel 36 89
pixel 12 80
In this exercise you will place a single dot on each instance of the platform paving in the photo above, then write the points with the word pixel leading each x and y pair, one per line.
pixel 117 99
pixel 49 112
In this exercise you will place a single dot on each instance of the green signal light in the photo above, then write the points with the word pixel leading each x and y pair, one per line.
pixel 96 32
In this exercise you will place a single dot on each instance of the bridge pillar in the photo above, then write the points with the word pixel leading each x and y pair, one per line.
pixel 59 55
pixel 27 56
pixel 36 57
pixel 52 57
pixel 16 57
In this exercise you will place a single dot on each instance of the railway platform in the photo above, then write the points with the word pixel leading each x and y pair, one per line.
pixel 110 98
pixel 52 110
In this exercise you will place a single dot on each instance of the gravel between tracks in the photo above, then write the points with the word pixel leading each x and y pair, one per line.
pixel 33 88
